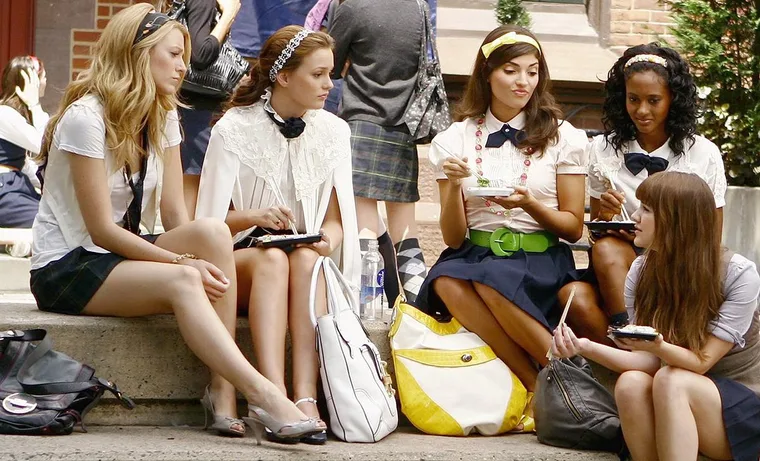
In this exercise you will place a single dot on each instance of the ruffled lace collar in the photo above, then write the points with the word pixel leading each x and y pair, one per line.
pixel 248 132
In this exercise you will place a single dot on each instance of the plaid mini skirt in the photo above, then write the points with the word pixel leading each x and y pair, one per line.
pixel 66 286
pixel 385 162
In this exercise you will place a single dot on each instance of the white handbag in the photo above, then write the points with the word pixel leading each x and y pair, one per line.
pixel 357 387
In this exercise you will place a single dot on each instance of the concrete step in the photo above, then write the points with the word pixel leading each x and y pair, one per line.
pixel 184 443
pixel 14 273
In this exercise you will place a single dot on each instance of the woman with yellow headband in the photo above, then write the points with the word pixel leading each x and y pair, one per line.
pixel 504 265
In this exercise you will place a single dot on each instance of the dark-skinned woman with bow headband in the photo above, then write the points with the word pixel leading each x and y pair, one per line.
pixel 113 158
pixel 650 118
pixel 278 162
pixel 504 263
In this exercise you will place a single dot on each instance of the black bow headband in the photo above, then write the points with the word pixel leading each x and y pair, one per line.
pixel 150 23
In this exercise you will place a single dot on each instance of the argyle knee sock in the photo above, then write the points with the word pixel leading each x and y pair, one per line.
pixel 391 287
pixel 411 267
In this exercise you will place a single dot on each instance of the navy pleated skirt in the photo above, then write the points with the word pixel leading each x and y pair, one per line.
pixel 196 132
pixel 19 201
pixel 530 280
pixel 66 286
pixel 741 417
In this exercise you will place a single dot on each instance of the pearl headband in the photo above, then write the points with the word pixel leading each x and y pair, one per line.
pixel 286 53
pixel 653 58
pixel 508 39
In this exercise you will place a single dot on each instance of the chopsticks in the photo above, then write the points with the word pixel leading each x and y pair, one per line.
pixel 278 196
pixel 549 354
pixel 472 172
pixel 624 213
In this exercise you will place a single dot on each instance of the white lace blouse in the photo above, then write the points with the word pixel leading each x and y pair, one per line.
pixel 249 164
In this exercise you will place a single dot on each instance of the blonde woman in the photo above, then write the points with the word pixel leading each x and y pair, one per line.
pixel 284 163
pixel 113 162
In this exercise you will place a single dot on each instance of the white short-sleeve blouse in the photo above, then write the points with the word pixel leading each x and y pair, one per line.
pixel 505 165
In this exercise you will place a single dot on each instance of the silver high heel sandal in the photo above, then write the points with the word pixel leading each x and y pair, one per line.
pixel 258 419
pixel 223 425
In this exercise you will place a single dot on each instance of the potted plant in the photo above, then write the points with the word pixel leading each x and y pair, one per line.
pixel 721 39
pixel 512 12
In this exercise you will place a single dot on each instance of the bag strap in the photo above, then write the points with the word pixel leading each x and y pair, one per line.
pixel 23 335
pixel 335 284
pixel 62 387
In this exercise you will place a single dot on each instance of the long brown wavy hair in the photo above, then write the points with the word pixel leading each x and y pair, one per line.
pixel 12 78
pixel 680 289
pixel 253 86
pixel 120 76
pixel 541 111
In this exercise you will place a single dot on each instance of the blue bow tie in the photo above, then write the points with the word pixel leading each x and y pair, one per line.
pixel 636 161
pixel 506 132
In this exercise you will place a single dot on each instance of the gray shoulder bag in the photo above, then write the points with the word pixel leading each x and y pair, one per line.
pixel 573 410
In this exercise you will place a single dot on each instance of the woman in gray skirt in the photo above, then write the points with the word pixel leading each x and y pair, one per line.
pixel 382 42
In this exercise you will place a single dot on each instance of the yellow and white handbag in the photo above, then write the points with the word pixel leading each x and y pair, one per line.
pixel 449 381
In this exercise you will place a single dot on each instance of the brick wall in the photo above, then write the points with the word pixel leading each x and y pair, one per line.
pixel 83 40
pixel 633 22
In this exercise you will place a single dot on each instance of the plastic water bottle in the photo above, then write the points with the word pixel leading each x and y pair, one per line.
pixel 373 273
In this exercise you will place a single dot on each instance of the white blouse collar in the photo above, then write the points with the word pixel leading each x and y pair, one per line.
pixel 493 124
pixel 267 98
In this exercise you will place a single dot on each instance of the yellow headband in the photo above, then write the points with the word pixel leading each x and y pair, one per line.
pixel 508 39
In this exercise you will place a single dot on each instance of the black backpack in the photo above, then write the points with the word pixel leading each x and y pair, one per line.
pixel 573 410
pixel 44 392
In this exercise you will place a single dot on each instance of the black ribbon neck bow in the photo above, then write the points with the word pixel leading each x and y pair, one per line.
pixel 506 133
pixel 290 128
pixel 636 161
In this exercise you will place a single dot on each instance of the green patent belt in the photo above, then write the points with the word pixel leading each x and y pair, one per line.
pixel 504 242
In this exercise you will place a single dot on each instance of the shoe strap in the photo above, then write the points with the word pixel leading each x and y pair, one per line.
pixel 306 399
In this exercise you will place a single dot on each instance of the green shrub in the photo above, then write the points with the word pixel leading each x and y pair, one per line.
pixel 512 12
pixel 721 40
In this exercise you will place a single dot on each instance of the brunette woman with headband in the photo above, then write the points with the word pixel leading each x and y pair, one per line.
pixel 113 162
pixel 504 263
pixel 650 118
pixel 277 162
pixel 695 388
pixel 22 123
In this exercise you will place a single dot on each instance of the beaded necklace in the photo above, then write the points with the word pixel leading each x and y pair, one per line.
pixel 479 165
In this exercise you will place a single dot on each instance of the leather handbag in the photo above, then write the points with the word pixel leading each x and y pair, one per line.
pixel 44 392
pixel 450 382
pixel 358 392
pixel 573 410
pixel 222 76
pixel 427 113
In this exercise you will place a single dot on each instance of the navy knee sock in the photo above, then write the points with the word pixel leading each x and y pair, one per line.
pixel 391 287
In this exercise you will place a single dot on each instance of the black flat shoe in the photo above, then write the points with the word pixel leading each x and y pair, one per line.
pixel 272 437
pixel 320 438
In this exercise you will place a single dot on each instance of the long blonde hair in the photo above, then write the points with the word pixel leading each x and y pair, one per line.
pixel 120 76
pixel 680 286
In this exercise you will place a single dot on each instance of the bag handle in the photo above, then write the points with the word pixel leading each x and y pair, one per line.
pixel 60 387
pixel 334 281
pixel 23 335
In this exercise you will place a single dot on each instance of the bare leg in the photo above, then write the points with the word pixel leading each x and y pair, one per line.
pixel 190 185
pixel 468 308
pixel 586 317
pixel 526 331
pixel 139 288
pixel 688 416
pixel 612 257
pixel 367 217
pixel 633 395
pixel 402 223
pixel 209 240
pixel 263 288
pixel 302 334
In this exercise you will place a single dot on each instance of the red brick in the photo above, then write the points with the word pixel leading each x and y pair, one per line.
pixel 116 9
pixel 80 63
pixel 104 10
pixel 82 50
pixel 86 36
pixel 632 16
pixel 102 23
pixel 661 17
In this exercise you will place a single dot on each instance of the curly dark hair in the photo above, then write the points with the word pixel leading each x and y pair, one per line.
pixel 681 124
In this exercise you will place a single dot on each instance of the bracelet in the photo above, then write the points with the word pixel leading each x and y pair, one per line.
pixel 183 256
